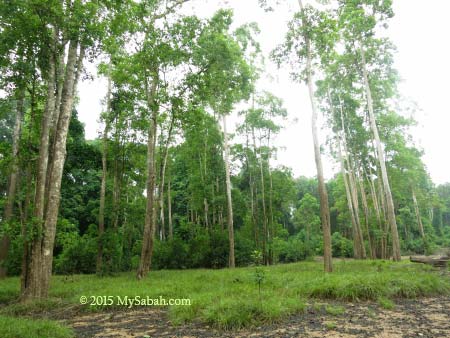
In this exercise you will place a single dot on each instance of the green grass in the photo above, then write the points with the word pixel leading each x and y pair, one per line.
pixel 335 310
pixel 330 325
pixel 229 299
pixel 386 303
pixel 11 327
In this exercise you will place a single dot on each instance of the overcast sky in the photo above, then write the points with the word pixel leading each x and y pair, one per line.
pixel 420 31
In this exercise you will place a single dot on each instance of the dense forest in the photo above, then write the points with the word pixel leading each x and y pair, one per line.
pixel 165 185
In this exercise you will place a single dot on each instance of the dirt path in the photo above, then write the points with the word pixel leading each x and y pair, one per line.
pixel 410 318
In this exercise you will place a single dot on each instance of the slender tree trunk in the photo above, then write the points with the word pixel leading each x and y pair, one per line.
pixel 162 175
pixel 252 208
pixel 117 176
pixel 263 198
pixel 377 209
pixel 58 92
pixel 349 181
pixel 357 245
pixel 149 226
pixel 387 188
pixel 169 210
pixel 220 207
pixel 354 196
pixel 13 177
pixel 221 218
pixel 417 211
pixel 26 205
pixel 253 193
pixel 272 227
pixel 101 213
pixel 205 177
pixel 382 202
pixel 366 217
pixel 59 85
pixel 231 261
pixel 324 208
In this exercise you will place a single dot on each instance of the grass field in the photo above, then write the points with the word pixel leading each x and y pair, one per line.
pixel 227 298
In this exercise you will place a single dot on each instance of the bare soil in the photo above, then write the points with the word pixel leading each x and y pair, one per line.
pixel 429 317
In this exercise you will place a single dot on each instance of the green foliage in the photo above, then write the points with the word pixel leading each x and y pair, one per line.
pixel 342 247
pixel 244 248
pixel 172 254
pixel 78 254
pixel 11 327
pixel 292 250
pixel 202 249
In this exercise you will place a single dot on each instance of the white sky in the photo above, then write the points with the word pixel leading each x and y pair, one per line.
pixel 420 32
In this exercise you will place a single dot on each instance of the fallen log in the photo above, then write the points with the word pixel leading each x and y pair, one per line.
pixel 434 261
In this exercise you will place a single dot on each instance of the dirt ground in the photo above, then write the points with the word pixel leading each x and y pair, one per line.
pixel 428 317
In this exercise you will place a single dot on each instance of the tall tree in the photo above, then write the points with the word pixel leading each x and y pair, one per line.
pixel 81 35
pixel 228 80
pixel 310 40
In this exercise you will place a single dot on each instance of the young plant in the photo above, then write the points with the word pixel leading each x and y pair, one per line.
pixel 259 274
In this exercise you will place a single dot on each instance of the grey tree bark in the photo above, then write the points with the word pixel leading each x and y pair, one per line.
pixel 149 226
pixel 231 259
pixel 417 211
pixel 101 212
pixel 324 207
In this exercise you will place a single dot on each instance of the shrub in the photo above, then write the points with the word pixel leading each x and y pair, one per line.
pixel 170 254
pixel 292 250
pixel 244 248
pixel 78 255
pixel 341 246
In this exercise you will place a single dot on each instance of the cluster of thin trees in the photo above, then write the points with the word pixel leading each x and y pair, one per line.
pixel 348 70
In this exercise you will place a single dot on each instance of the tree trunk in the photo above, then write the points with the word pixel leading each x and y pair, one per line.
pixel 358 240
pixel 32 272
pixel 101 213
pixel 162 175
pixel 377 209
pixel 26 206
pixel 387 189
pixel 324 208
pixel 419 218
pixel 13 176
pixel 42 247
pixel 149 226
pixel 354 195
pixel 357 245
pixel 272 227
pixel 366 217
pixel 231 262
pixel 263 199
pixel 117 176
pixel 169 210
pixel 205 177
